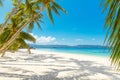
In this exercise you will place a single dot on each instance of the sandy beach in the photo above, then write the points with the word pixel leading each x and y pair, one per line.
pixel 46 65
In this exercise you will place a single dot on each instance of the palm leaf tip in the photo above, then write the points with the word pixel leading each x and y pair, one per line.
pixel 50 14
pixel 113 26
pixel 59 7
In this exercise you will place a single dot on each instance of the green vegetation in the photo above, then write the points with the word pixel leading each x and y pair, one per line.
pixel 24 15
pixel 113 26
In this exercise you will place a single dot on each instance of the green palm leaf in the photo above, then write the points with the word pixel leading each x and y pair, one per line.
pixel 27 36
pixel 113 26
pixel 27 13
pixel 38 24
pixel 4 36
pixel 57 6
pixel 55 10
pixel 22 42
pixel 30 27
pixel 50 14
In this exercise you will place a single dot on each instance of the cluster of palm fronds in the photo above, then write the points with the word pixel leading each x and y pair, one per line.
pixel 25 14
pixel 113 26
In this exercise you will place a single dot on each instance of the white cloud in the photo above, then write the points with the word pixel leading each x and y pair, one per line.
pixel 44 39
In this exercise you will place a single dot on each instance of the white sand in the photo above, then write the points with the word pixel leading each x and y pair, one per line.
pixel 45 65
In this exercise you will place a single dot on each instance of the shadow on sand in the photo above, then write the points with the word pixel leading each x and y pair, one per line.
pixel 80 69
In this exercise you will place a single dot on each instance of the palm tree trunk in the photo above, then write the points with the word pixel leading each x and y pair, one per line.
pixel 10 16
pixel 3 53
pixel 29 51
pixel 9 43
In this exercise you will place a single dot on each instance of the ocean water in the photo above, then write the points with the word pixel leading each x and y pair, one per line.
pixel 86 51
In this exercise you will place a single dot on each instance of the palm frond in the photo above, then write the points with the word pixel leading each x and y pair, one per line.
pixel 4 36
pixel 113 26
pixel 55 10
pixel 27 36
pixel 26 14
pixel 50 14
pixel 22 42
pixel 38 24
pixel 57 6
pixel 30 27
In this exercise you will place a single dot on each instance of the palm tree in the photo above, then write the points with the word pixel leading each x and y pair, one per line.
pixel 10 15
pixel 32 12
pixel 10 30
pixel 19 42
pixel 113 26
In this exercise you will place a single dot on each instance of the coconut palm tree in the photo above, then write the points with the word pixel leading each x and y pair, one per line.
pixel 10 14
pixel 17 21
pixel 10 30
pixel 113 26
pixel 32 12
pixel 20 42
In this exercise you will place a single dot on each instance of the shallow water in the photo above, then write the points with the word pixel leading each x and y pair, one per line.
pixel 87 51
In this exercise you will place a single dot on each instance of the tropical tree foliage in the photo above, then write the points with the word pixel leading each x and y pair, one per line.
pixel 3 26
pixel 26 14
pixel 1 2
pixel 19 42
pixel 113 26
pixel 10 30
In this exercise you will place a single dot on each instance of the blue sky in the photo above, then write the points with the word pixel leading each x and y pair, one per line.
pixel 84 24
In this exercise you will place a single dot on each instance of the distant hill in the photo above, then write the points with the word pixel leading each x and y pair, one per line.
pixel 66 46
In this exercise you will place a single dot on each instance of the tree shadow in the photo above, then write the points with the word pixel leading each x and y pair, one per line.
pixel 82 71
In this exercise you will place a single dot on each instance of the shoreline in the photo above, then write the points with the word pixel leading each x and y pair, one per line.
pixel 46 65
pixel 80 53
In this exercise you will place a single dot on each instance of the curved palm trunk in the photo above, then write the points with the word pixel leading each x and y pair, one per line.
pixel 9 43
pixel 3 53
pixel 10 16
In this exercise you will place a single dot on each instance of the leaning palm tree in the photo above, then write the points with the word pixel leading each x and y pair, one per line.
pixel 31 13
pixel 3 26
pixel 20 42
pixel 113 26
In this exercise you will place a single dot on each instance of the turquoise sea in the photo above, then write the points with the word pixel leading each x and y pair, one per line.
pixel 96 51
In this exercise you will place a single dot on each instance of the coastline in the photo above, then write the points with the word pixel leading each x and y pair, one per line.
pixel 46 65
pixel 99 52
